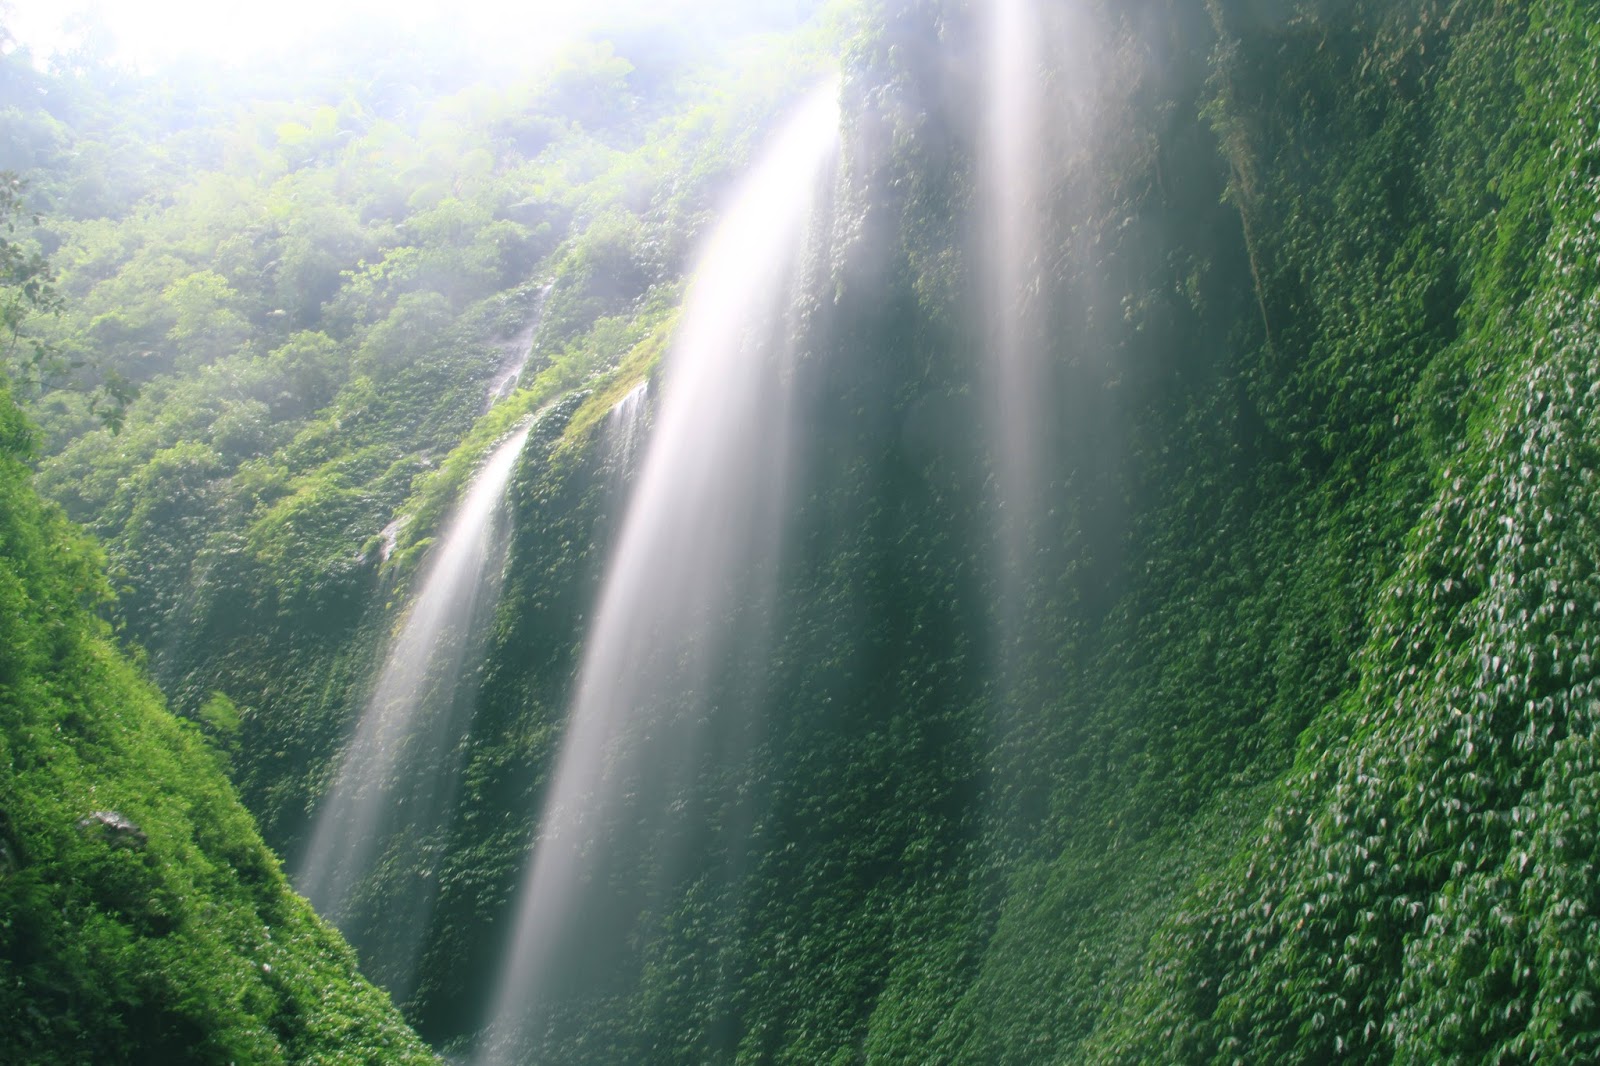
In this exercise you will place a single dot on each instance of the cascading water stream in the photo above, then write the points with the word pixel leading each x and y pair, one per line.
pixel 1038 133
pixel 394 785
pixel 1010 180
pixel 697 545
pixel 516 352
pixel 626 426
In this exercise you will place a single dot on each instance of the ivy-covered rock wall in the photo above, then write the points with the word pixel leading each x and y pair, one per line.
pixel 1286 756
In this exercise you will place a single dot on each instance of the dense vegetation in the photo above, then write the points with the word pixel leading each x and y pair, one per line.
pixel 311 312
pixel 1280 749
pixel 142 919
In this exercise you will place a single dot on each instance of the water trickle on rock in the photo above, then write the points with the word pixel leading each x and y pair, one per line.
pixel 515 353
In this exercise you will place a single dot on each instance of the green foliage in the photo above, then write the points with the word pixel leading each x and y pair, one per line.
pixel 28 290
pixel 206 324
pixel 25 274
pixel 1386 911
pixel 142 916
pixel 221 719
pixel 1285 761
pixel 638 365
pixel 1277 751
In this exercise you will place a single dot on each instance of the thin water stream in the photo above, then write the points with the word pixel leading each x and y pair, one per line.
pixel 375 834
pixel 516 352
pixel 1010 180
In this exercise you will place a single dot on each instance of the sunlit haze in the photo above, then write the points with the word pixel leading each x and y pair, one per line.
pixel 149 33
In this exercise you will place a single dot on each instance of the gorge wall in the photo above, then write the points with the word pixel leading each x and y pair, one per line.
pixel 1260 730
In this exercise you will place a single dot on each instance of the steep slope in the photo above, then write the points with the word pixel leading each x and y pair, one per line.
pixel 1358 556
pixel 1421 891
pixel 143 918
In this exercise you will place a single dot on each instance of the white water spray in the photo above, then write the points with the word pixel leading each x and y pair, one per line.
pixel 1011 180
pixel 626 425
pixel 697 545
pixel 393 785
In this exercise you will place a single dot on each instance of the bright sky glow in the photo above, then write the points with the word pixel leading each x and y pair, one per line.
pixel 150 33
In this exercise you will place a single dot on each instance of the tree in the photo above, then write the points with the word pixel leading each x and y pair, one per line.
pixel 27 285
pixel 27 288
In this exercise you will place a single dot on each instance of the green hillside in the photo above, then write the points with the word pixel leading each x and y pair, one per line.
pixel 141 917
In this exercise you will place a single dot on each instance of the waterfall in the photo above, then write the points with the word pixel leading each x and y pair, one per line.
pixel 697 547
pixel 1039 135
pixel 1010 180
pixel 369 865
pixel 515 353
